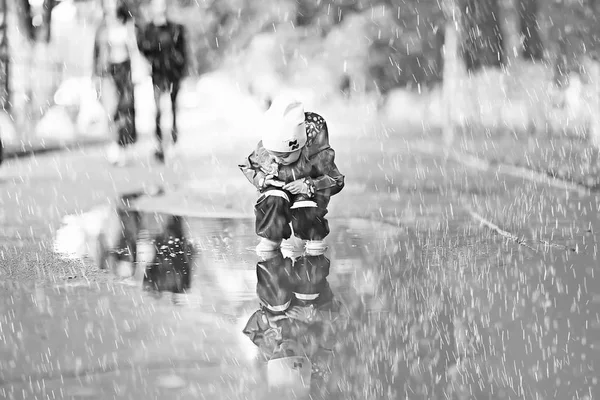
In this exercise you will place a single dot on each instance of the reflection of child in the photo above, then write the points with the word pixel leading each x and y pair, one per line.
pixel 297 307
pixel 294 170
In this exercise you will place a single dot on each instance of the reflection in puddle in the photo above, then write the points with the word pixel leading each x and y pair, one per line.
pixel 170 264
pixel 196 286
pixel 294 324
pixel 206 260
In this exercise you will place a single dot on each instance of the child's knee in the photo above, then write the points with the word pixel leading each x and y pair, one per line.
pixel 273 215
pixel 273 204
pixel 310 223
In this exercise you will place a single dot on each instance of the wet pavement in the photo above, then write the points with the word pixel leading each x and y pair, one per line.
pixel 542 294
pixel 128 340
pixel 436 305
pixel 436 301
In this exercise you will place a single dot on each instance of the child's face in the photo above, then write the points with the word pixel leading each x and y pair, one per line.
pixel 285 158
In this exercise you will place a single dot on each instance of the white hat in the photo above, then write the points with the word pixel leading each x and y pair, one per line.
pixel 289 373
pixel 284 129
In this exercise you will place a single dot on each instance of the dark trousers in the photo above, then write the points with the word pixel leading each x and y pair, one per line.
pixel 173 90
pixel 274 215
pixel 124 118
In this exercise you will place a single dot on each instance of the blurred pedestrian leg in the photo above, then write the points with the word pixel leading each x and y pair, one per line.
pixel 159 90
pixel 114 48
pixel 124 117
pixel 162 42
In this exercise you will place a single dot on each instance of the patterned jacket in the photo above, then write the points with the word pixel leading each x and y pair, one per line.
pixel 316 163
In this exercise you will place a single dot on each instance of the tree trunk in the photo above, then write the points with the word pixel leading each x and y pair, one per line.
pixel 533 48
pixel 451 67
pixel 4 59
pixel 23 11
pixel 306 12
pixel 594 129
pixel 47 20
pixel 440 39
pixel 483 45
pixel 562 63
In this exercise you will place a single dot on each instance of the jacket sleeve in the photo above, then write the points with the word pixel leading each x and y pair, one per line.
pixel 251 169
pixel 331 180
pixel 253 330
pixel 181 49
pixel 145 43
pixel 258 332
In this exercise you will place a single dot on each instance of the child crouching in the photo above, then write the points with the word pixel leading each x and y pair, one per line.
pixel 293 168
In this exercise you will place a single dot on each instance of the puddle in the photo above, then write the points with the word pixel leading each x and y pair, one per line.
pixel 170 324
pixel 188 325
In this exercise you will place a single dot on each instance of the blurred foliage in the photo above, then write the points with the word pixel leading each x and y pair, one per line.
pixel 533 48
pixel 573 35
pixel 483 36
pixel 400 40
pixel 401 35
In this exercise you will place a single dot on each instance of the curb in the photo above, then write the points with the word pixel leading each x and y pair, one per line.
pixel 32 150
pixel 477 163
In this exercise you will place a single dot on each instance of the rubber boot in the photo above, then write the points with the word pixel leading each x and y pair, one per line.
pixel 315 247
pixel 267 246
pixel 293 247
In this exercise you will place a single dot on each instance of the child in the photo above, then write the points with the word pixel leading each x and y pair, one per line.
pixel 294 170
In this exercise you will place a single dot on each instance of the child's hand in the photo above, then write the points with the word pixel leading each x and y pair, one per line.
pixel 271 181
pixel 274 182
pixel 304 314
pixel 296 187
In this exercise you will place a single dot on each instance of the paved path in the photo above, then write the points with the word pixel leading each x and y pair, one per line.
pixel 497 268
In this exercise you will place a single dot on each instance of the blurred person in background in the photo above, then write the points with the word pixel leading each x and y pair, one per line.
pixel 114 48
pixel 162 42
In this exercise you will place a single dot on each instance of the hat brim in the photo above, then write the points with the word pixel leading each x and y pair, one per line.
pixel 272 141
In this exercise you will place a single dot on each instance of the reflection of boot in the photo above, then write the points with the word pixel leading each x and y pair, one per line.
pixel 292 247
pixel 315 247
pixel 267 255
pixel 267 245
pixel 159 154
